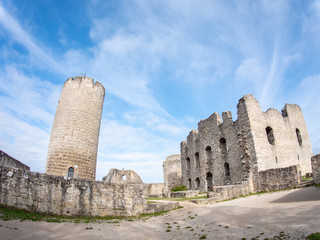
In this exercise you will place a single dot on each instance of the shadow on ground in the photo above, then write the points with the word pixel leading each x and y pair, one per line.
pixel 302 195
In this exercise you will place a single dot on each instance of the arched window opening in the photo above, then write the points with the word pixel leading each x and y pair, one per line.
pixel 223 146
pixel 299 136
pixel 209 181
pixel 188 163
pixel 270 135
pixel 189 183
pixel 124 177
pixel 70 172
pixel 197 183
pixel 197 160
pixel 227 169
pixel 208 156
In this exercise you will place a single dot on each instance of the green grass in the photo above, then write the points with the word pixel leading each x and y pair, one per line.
pixel 314 236
pixel 11 213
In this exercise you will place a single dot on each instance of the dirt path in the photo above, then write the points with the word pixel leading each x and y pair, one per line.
pixel 294 213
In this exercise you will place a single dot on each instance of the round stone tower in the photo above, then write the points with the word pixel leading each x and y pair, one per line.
pixel 74 138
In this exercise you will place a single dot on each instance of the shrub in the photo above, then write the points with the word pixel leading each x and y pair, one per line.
pixel 179 188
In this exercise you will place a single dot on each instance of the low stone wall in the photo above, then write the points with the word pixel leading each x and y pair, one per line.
pixel 221 193
pixel 315 162
pixel 163 206
pixel 8 161
pixel 153 190
pixel 279 178
pixel 187 194
pixel 55 195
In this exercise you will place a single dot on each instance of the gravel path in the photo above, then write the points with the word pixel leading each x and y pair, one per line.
pixel 280 215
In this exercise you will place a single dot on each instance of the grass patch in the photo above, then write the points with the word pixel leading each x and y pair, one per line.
pixel 314 236
pixel 203 237
pixel 11 213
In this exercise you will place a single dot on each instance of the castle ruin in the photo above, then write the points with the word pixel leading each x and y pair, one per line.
pixel 226 152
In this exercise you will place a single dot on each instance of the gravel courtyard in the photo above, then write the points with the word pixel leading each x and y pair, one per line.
pixel 292 214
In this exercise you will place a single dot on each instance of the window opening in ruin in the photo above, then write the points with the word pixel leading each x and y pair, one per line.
pixel 196 155
pixel 227 169
pixel 276 158
pixel 209 181
pixel 223 146
pixel 197 183
pixel 270 135
pixel 298 156
pixel 188 163
pixel 208 156
pixel 189 183
pixel 124 177
pixel 70 172
pixel 299 136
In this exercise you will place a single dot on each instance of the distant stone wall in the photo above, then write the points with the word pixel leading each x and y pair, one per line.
pixel 185 194
pixel 55 195
pixel 153 189
pixel 221 193
pixel 8 161
pixel 279 178
pixel 172 172
pixel 315 162
pixel 164 206
pixel 122 177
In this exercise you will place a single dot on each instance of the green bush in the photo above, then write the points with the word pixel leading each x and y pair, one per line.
pixel 179 188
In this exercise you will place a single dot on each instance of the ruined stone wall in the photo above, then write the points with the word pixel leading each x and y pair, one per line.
pixel 75 131
pixel 315 160
pixel 172 172
pixel 56 195
pixel 8 161
pixel 153 190
pixel 122 177
pixel 212 156
pixel 227 152
pixel 279 178
pixel 285 150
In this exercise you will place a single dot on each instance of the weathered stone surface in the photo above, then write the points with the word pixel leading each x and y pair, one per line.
pixel 153 190
pixel 185 194
pixel 122 177
pixel 172 172
pixel 315 161
pixel 224 151
pixel 57 195
pixel 279 178
pixel 75 132
pixel 8 161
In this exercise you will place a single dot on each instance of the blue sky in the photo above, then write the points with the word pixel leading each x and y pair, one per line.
pixel 164 64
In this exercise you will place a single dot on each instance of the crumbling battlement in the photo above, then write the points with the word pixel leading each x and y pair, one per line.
pixel 224 151
pixel 172 172
pixel 8 161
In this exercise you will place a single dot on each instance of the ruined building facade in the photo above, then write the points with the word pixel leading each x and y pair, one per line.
pixel 224 152
pixel 75 133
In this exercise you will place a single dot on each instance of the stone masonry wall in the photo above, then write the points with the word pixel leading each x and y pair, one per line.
pixel 56 195
pixel 122 176
pixel 8 161
pixel 285 127
pixel 279 178
pixel 224 151
pixel 172 172
pixel 315 161
pixel 75 132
